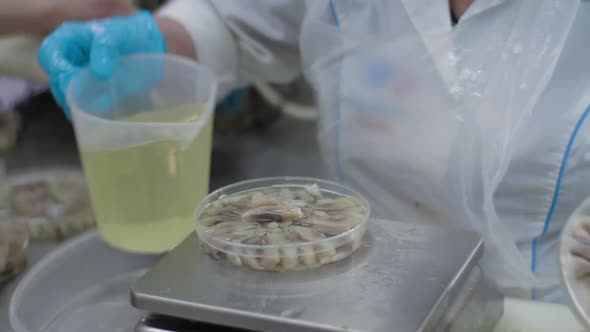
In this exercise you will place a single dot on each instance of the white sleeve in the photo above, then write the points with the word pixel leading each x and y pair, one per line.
pixel 243 41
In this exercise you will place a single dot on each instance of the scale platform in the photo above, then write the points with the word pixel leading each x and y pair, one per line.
pixel 406 277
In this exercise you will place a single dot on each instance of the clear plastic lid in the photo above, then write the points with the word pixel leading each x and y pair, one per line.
pixel 52 204
pixel 14 241
pixel 280 224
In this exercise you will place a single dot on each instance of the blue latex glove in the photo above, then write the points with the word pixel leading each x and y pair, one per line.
pixel 98 44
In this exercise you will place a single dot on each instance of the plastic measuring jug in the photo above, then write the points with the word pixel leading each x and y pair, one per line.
pixel 144 136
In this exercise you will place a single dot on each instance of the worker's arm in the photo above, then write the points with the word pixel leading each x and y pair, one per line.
pixel 241 41
pixel 40 17
pixel 178 39
pixel 21 16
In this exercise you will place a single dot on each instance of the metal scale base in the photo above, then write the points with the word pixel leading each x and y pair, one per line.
pixel 407 277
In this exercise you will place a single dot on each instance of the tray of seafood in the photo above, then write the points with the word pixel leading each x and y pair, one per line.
pixel 14 240
pixel 53 204
pixel 9 127
pixel 282 224
pixel 574 260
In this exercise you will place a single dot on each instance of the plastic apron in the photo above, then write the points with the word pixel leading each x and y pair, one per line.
pixel 480 125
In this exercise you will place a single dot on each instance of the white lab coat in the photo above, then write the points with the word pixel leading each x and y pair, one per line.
pixel 248 40
pixel 244 41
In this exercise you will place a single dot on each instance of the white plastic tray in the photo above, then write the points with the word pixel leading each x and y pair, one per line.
pixel 81 286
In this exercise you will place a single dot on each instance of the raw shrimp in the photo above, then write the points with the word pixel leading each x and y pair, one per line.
pixel 284 228
pixel 53 205
pixel 13 250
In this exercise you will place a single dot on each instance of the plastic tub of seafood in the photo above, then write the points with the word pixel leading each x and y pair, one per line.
pixel 282 224
pixel 53 204
pixel 574 260
pixel 14 241
pixel 9 127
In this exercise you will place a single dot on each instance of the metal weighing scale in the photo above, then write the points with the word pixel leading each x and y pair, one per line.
pixel 404 278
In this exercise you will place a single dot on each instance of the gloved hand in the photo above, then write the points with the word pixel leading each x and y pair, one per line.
pixel 97 44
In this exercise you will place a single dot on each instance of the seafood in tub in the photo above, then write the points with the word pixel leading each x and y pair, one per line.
pixel 283 227
pixel 52 204
pixel 9 129
pixel 13 250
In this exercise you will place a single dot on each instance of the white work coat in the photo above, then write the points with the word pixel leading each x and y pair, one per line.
pixel 548 176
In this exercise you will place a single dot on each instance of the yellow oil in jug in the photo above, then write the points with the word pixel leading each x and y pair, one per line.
pixel 144 196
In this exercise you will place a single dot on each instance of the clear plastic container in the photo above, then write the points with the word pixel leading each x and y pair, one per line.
pixel 144 136
pixel 282 224
pixel 52 204
pixel 82 286
pixel 14 241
